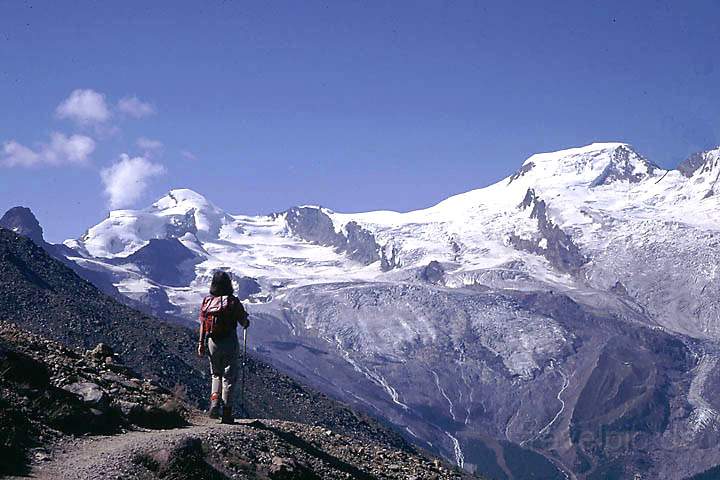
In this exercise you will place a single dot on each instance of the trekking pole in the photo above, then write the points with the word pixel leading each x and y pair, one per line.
pixel 242 384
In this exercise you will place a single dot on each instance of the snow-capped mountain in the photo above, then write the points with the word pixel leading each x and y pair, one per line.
pixel 523 323
pixel 561 211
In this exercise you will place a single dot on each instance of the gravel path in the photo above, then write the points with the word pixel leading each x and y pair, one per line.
pixel 109 456
pixel 250 449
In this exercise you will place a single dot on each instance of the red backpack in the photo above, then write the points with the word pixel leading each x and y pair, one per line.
pixel 220 315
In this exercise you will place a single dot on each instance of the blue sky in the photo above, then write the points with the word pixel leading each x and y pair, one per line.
pixel 348 104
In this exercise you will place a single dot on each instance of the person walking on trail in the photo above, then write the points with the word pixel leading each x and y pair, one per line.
pixel 220 314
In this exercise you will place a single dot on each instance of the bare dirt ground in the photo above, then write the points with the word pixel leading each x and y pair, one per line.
pixel 249 449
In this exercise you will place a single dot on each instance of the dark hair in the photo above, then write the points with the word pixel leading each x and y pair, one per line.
pixel 221 284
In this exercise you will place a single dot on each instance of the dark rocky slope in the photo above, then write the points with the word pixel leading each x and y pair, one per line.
pixel 41 295
pixel 48 391
pixel 79 415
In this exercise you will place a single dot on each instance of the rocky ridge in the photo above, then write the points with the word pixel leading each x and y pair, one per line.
pixel 84 415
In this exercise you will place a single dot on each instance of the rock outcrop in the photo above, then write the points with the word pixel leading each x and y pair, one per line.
pixel 22 221
pixel 312 224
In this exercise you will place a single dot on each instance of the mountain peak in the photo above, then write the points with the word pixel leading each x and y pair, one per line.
pixel 595 147
pixel 22 221
pixel 182 196
pixel 180 212
pixel 591 153
pixel 595 164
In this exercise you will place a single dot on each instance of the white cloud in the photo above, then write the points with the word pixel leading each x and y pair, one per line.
pixel 134 107
pixel 148 144
pixel 84 106
pixel 73 149
pixel 62 150
pixel 188 155
pixel 127 179
pixel 18 155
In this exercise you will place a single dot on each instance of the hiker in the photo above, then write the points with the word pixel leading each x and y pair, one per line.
pixel 220 313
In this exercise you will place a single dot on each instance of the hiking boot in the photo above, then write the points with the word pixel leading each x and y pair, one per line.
pixel 214 412
pixel 227 416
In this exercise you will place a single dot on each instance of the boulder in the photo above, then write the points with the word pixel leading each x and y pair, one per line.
pixel 186 459
pixel 288 468
pixel 433 272
pixel 101 352
pixel 167 415
pixel 91 393
pixel 129 409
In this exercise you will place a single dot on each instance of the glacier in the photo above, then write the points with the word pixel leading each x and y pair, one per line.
pixel 526 322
